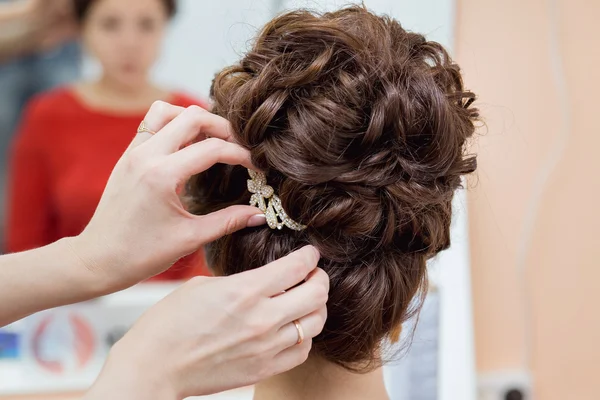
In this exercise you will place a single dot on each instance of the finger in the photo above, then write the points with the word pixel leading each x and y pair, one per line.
pixel 291 357
pixel 303 299
pixel 311 326
pixel 211 227
pixel 284 273
pixel 319 274
pixel 200 156
pixel 193 124
pixel 159 115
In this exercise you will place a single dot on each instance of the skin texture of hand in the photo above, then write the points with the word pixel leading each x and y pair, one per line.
pixel 214 334
pixel 141 198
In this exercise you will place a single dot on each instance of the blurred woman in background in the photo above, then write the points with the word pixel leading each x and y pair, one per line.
pixel 71 138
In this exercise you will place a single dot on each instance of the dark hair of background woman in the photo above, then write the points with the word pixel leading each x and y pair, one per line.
pixel 81 8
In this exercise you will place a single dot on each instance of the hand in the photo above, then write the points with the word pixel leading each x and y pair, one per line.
pixel 140 227
pixel 49 23
pixel 214 334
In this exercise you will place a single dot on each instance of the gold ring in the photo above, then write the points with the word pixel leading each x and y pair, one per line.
pixel 300 332
pixel 144 128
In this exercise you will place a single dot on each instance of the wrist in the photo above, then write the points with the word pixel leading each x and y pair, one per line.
pixel 91 264
pixel 126 376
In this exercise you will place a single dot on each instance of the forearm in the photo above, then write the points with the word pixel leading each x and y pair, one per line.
pixel 125 377
pixel 43 278
pixel 16 37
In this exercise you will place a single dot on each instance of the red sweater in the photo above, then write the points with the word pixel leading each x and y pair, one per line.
pixel 62 157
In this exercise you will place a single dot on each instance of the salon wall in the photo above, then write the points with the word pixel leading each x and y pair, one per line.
pixel 533 207
pixel 206 36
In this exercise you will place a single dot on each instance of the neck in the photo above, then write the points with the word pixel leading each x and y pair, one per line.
pixel 108 94
pixel 317 379
pixel 109 87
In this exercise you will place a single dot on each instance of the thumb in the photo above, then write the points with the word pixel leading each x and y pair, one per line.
pixel 226 221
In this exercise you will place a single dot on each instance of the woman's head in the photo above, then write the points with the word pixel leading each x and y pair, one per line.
pixel 125 36
pixel 361 128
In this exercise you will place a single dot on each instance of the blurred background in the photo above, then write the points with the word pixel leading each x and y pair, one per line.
pixel 512 310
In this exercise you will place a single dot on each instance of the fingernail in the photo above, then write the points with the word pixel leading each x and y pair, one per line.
pixel 256 220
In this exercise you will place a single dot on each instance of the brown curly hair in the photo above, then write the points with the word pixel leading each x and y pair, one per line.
pixel 361 127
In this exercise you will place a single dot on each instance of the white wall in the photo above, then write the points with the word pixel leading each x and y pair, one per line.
pixel 432 17
pixel 205 37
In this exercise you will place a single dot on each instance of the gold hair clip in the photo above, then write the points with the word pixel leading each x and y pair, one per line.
pixel 261 192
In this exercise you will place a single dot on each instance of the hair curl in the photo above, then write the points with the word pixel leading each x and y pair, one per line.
pixel 361 127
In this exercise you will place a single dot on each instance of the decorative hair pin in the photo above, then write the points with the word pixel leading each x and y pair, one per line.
pixel 261 192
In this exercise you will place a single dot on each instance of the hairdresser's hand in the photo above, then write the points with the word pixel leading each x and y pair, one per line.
pixel 140 227
pixel 49 23
pixel 214 334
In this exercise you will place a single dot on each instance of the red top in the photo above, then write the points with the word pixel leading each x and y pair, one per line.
pixel 62 158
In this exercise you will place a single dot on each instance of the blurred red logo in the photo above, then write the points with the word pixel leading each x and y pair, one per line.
pixel 63 343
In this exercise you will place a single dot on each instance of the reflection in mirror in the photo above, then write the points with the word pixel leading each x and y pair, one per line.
pixel 69 111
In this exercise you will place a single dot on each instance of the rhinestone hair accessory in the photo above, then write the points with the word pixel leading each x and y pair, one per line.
pixel 261 193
